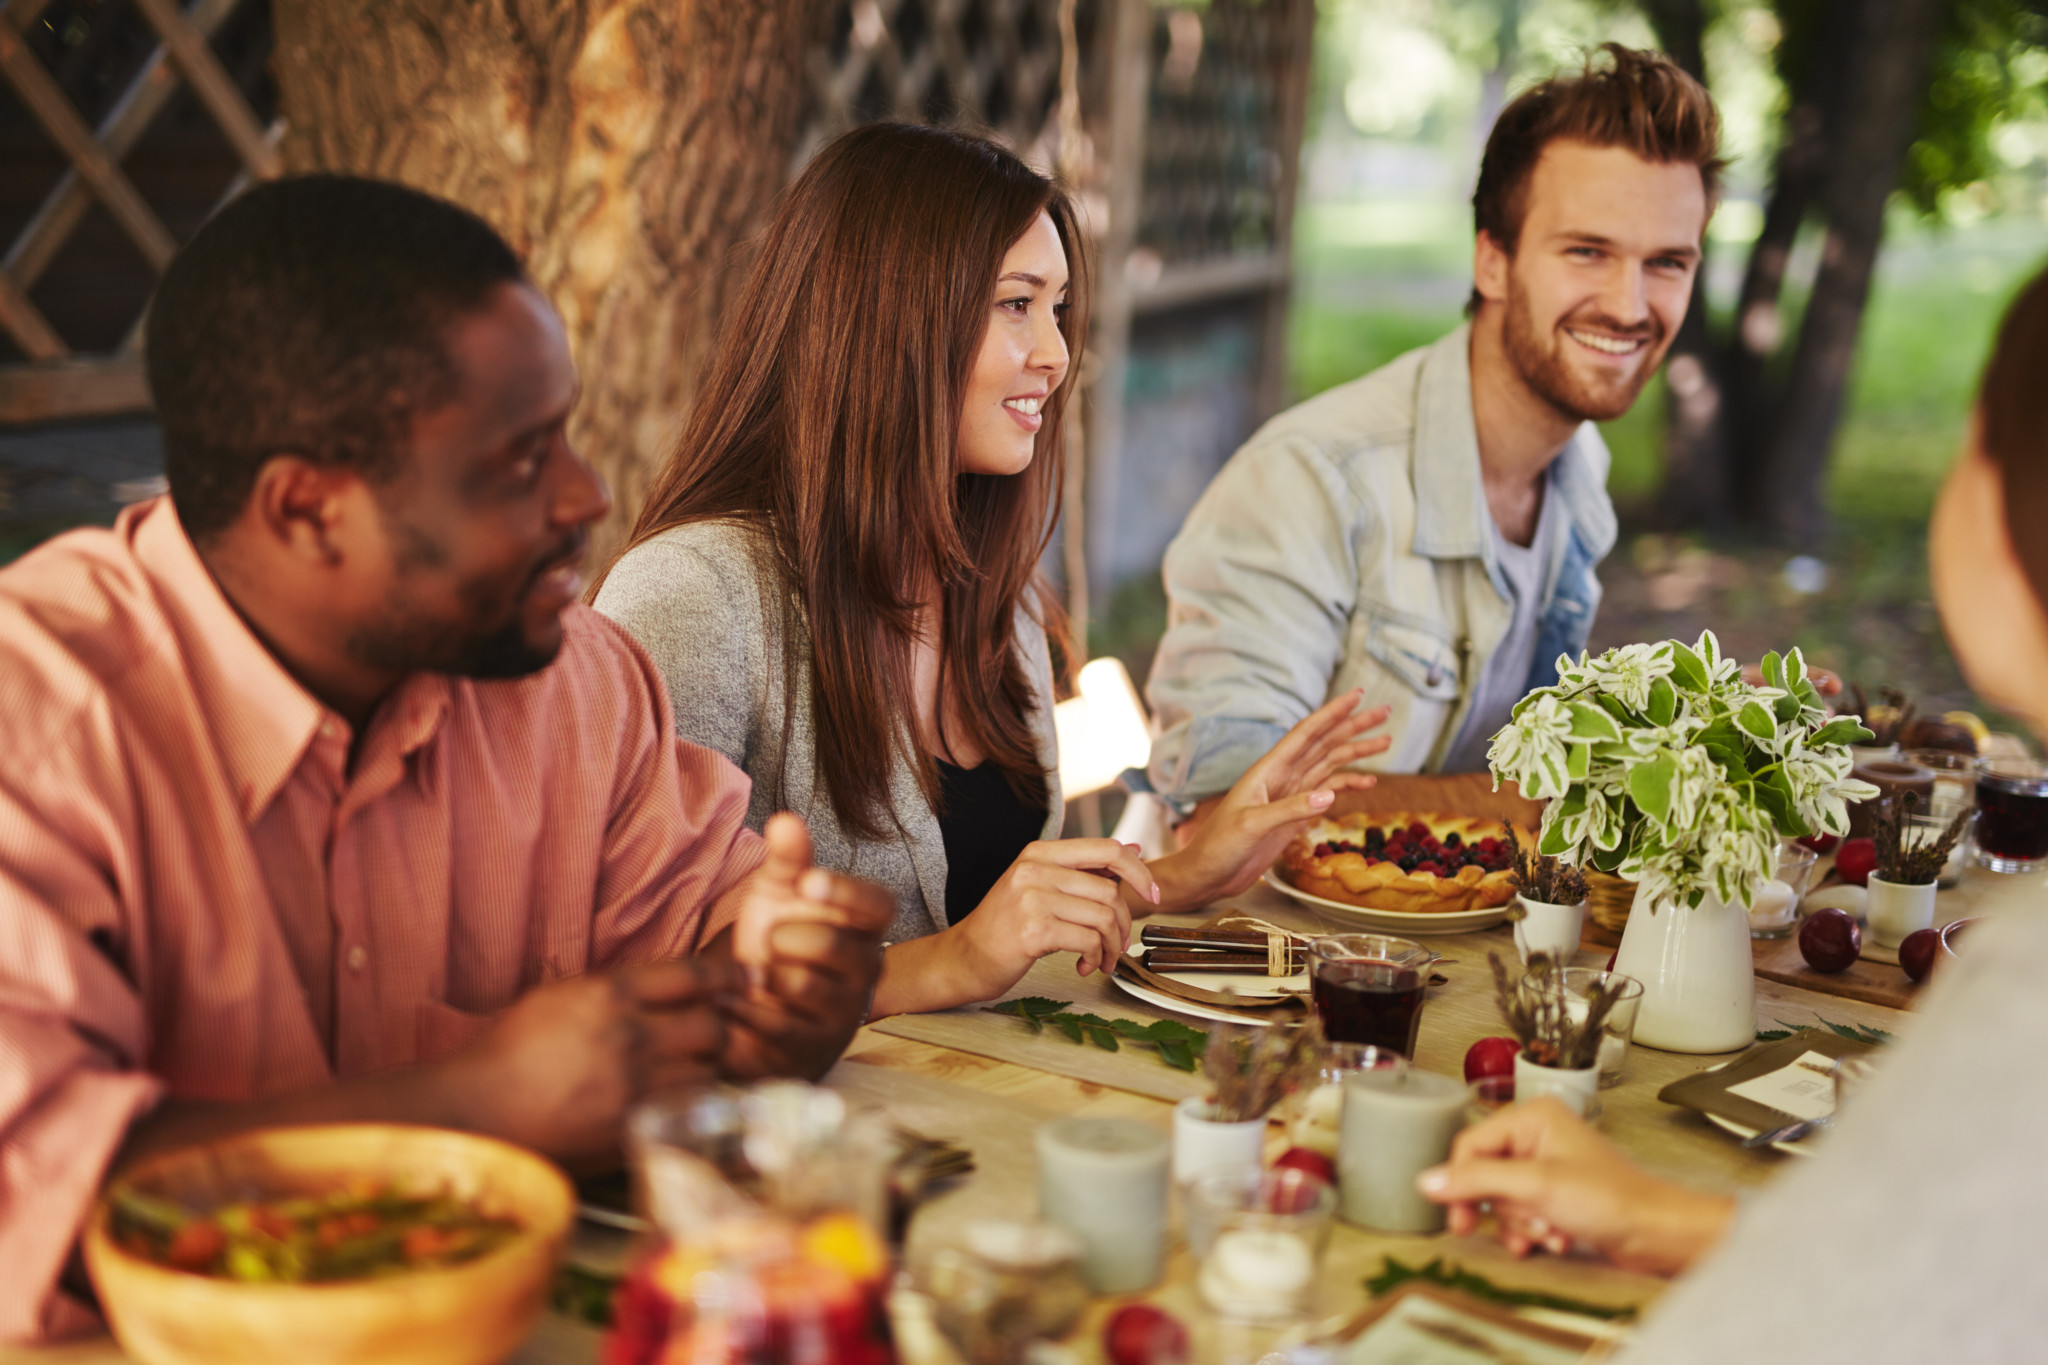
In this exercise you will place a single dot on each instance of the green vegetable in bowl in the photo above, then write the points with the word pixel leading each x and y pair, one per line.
pixel 364 1232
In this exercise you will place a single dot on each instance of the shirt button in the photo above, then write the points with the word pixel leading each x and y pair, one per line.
pixel 357 957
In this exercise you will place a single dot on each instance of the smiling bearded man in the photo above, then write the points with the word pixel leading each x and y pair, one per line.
pixel 1429 532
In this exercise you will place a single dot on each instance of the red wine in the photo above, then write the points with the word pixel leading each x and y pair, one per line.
pixel 1368 1000
pixel 2012 820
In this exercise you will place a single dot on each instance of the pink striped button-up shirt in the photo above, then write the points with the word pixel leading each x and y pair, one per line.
pixel 199 897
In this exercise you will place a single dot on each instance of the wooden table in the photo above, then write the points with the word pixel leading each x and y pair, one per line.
pixel 991 1103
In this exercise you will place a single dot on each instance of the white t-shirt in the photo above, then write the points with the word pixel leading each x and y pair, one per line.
pixel 1506 674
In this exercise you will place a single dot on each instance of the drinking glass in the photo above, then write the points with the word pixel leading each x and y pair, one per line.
pixel 1617 1030
pixel 1000 1286
pixel 1368 988
pixel 2012 813
pixel 1955 779
pixel 1487 1096
pixel 1316 1108
pixel 769 1206
pixel 1775 911
pixel 1926 829
pixel 1260 1236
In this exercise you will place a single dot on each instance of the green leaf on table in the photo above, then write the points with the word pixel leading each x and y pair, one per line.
pixel 1393 1274
pixel 1756 719
pixel 1131 1028
pixel 1772 1035
pixel 1650 786
pixel 1174 1031
pixel 1856 1033
pixel 1178 1055
pixel 1067 1024
pixel 1032 1006
pixel 583 1294
pixel 1104 1038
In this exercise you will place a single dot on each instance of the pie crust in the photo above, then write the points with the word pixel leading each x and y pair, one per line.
pixel 1383 885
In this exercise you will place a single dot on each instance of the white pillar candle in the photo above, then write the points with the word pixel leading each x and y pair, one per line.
pixel 1775 906
pixel 1104 1180
pixel 1397 1124
pixel 1257 1273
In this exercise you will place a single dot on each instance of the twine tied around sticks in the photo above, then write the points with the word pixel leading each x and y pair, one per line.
pixel 1279 941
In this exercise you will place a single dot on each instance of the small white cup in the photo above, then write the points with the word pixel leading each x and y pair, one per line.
pixel 1201 1144
pixel 1575 1088
pixel 1547 928
pixel 1897 909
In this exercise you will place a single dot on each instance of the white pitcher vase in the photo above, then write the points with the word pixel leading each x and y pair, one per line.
pixel 1699 980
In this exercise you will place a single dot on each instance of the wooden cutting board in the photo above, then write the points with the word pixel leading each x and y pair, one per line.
pixel 1874 982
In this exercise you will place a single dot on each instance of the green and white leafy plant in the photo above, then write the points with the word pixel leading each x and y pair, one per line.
pixel 1663 766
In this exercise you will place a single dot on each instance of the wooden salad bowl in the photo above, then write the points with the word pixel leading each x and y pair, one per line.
pixel 474 1313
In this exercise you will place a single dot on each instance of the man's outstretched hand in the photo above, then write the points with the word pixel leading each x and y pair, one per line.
pixel 810 944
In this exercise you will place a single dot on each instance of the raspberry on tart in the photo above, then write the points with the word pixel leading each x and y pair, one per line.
pixel 1412 862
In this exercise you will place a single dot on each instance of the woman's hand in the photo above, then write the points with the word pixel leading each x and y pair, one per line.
pixel 1296 781
pixel 1556 1184
pixel 1060 896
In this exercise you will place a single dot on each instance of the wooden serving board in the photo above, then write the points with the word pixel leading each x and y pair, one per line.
pixel 1868 980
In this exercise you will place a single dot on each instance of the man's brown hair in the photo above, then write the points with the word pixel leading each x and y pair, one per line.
pixel 1642 101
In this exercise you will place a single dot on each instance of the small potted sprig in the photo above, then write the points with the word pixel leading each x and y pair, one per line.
pixel 1560 1032
pixel 1549 910
pixel 1908 866
pixel 1252 1069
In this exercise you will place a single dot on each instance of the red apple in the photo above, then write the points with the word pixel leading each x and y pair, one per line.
pixel 1918 951
pixel 1856 860
pixel 1308 1162
pixel 1139 1334
pixel 1821 843
pixel 1830 940
pixel 1491 1057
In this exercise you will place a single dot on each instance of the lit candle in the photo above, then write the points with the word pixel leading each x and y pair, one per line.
pixel 1104 1180
pixel 1256 1273
pixel 1774 906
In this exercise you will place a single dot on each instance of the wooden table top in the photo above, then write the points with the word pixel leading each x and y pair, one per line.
pixel 992 1105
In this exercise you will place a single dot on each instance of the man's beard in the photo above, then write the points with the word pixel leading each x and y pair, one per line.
pixel 1545 369
pixel 405 641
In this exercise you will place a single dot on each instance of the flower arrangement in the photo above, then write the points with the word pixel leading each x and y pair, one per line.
pixel 1663 766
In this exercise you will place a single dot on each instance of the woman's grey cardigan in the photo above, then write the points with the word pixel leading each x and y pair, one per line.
pixel 694 598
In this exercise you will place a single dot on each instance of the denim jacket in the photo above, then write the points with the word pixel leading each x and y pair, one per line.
pixel 1346 545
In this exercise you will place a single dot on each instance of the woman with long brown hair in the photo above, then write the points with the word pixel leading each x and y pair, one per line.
pixel 837 571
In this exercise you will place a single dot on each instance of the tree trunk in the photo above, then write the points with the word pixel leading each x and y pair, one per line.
pixel 1887 71
pixel 1696 484
pixel 624 147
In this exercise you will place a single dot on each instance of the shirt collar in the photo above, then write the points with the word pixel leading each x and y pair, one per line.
pixel 1451 518
pixel 260 716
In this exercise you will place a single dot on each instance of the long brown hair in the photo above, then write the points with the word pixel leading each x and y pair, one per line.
pixel 829 420
pixel 2012 411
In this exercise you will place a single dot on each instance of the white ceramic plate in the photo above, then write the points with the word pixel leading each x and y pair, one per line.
pixel 1245 983
pixel 1401 922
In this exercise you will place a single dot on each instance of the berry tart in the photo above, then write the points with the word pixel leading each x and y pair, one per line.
pixel 1414 863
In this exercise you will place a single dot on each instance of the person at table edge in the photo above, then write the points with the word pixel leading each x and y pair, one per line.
pixel 1430 531
pixel 321 798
